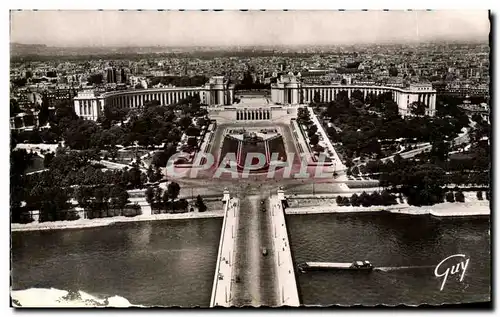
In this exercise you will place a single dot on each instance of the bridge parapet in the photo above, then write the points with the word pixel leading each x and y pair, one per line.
pixel 287 285
pixel 223 279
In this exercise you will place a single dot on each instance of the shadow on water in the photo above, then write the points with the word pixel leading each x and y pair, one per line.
pixel 397 268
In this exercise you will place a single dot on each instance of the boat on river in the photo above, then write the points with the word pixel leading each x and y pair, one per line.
pixel 355 266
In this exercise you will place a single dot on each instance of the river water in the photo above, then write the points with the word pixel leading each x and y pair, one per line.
pixel 172 263
pixel 165 263
pixel 407 248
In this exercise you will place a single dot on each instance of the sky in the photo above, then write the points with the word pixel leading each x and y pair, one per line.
pixel 229 28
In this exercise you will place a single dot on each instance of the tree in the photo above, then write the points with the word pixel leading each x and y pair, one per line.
pixel 80 134
pixel 477 118
pixel 157 176
pixel 158 193
pixel 357 103
pixel 422 183
pixel 185 122
pixel 150 195
pixel 150 173
pixel 459 197
pixel 173 190
pixel 449 197
pixel 332 134
pixel 200 204
pixel 160 159
pixel 358 95
pixel 310 133
pixel 313 140
pixel 303 117
pixel 391 109
pixel 440 150
pixel 182 205
pixel 14 107
pixel 388 198
pixel 362 169
pixel 479 195
pixel 83 196
pixel 54 205
pixel 349 163
pixel 340 201
pixel 345 201
pixel 354 170
pixel 119 197
pixel 318 148
pixel 192 142
pixel 417 108
pixel 355 200
pixel 48 157
pixel 312 130
pixel 193 131
pixel 365 200
pixel 101 197
pixel 165 199
pixel 136 178
pixel 20 160
pixel 376 199
pixel 113 114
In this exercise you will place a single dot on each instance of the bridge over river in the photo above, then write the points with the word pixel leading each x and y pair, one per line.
pixel 245 276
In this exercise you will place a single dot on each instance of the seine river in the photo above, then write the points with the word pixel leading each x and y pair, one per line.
pixel 408 248
pixel 166 263
pixel 172 262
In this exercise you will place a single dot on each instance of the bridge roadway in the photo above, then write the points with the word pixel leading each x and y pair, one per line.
pixel 258 283
pixel 244 275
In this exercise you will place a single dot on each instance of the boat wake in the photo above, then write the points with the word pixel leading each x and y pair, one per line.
pixel 44 297
pixel 396 268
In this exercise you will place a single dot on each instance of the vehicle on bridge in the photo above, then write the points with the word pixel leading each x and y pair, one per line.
pixel 264 251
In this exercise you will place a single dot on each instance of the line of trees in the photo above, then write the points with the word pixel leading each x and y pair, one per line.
pixel 165 200
pixel 105 201
pixel 70 173
pixel 458 197
pixel 304 119
pixel 385 198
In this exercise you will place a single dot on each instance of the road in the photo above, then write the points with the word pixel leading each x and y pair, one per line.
pixel 257 273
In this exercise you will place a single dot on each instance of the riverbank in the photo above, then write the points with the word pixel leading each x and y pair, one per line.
pixel 467 209
pixel 101 222
pixel 53 298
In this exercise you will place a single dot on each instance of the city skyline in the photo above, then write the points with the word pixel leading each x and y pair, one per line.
pixel 244 28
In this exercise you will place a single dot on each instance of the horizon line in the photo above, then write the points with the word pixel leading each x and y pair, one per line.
pixel 382 43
